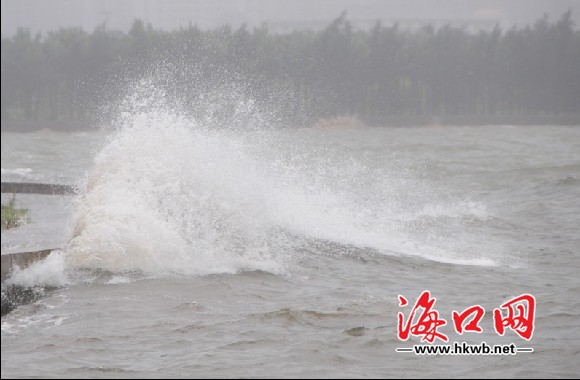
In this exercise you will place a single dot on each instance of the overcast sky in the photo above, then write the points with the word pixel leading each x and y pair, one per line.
pixel 280 15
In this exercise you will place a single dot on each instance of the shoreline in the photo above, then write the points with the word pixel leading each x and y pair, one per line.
pixel 573 119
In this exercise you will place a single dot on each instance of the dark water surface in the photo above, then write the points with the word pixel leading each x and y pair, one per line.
pixel 283 253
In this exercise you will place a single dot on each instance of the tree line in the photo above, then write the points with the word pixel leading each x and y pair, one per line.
pixel 71 76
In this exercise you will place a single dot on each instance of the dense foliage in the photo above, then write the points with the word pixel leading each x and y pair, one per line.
pixel 70 75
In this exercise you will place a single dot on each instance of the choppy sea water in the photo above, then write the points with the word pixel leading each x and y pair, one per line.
pixel 192 252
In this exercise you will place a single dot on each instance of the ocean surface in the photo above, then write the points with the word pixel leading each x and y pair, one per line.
pixel 198 252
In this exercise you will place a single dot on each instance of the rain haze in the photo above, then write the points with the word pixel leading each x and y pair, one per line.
pixel 282 16
pixel 290 189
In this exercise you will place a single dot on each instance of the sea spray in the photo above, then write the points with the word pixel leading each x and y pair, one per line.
pixel 172 193
pixel 167 196
pixel 28 284
pixel 49 271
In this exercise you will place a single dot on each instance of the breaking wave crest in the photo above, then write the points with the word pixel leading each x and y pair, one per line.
pixel 171 194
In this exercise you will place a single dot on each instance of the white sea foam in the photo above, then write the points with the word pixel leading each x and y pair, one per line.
pixel 171 194
pixel 167 195
pixel 48 272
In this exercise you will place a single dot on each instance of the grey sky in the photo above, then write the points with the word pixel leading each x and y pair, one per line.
pixel 280 15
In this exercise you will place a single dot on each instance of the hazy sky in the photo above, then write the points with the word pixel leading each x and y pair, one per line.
pixel 281 15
